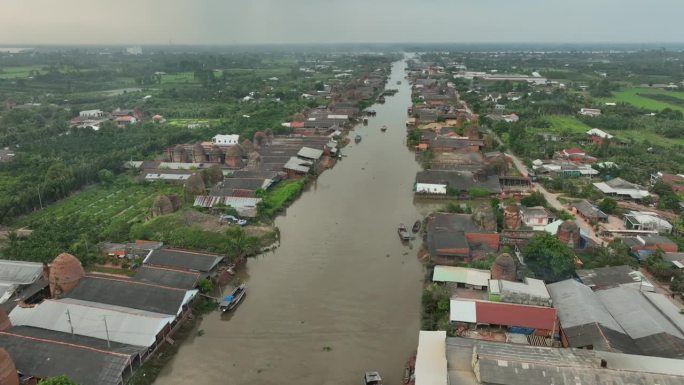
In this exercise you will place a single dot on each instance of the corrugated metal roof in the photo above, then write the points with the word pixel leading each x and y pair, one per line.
pixel 506 314
pixel 132 294
pixel 19 273
pixel 510 364
pixel 181 259
pixel 297 164
pixel 88 319
pixel 578 305
pixel 637 315
pixel 310 153
pixel 45 358
pixel 462 311
pixel 431 364
pixel 461 275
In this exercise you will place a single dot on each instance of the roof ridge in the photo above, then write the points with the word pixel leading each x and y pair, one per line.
pixel 132 281
pixel 66 344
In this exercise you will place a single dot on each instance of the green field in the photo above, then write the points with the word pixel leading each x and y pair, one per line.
pixel 19 72
pixel 122 200
pixel 183 122
pixel 641 135
pixel 560 123
pixel 635 96
pixel 181 77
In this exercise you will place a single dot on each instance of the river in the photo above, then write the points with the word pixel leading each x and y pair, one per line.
pixel 341 295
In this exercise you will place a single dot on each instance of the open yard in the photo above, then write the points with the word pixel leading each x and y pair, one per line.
pixel 561 123
pixel 181 77
pixel 650 98
pixel 19 72
pixel 641 135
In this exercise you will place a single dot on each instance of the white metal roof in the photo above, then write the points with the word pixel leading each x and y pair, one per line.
pixel 126 326
pixel 599 133
pixel 632 193
pixel 460 274
pixel 19 273
pixel 154 176
pixel 297 164
pixel 310 153
pixel 179 165
pixel 462 311
pixel 431 363
pixel 531 286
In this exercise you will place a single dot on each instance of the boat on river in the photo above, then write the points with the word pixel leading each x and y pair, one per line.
pixel 410 371
pixel 403 233
pixel 416 227
pixel 372 378
pixel 383 128
pixel 233 299
pixel 357 138
pixel 398 82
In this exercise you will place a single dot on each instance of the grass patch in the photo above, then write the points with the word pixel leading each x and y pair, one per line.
pixel 183 122
pixel 19 72
pixel 181 77
pixel 654 138
pixel 563 123
pixel 176 231
pixel 646 98
pixel 285 192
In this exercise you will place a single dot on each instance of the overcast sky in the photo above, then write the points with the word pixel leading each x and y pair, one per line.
pixel 321 21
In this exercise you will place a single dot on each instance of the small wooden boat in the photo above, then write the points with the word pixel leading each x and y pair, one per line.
pixel 372 378
pixel 398 82
pixel 416 227
pixel 403 233
pixel 357 138
pixel 383 128
pixel 233 299
pixel 409 371
pixel 381 99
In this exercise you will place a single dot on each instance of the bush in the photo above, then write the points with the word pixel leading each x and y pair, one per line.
pixel 608 205
pixel 534 199
pixel 205 285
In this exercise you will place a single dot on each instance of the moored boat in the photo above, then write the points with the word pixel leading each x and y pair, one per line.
pixel 372 378
pixel 233 299
pixel 403 233
pixel 357 138
pixel 383 128
pixel 409 371
pixel 416 227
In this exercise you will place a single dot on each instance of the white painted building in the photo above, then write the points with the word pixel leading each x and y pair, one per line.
pixel 226 140
pixel 429 188
pixel 91 114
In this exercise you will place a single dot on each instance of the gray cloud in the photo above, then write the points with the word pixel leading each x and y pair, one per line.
pixel 321 21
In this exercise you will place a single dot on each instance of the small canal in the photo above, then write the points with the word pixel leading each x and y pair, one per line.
pixel 341 295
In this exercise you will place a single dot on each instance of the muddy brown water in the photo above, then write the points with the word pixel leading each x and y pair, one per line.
pixel 341 295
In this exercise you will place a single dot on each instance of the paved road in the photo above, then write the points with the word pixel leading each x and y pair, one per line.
pixel 551 198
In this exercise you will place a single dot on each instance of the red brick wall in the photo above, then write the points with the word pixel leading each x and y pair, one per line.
pixel 492 240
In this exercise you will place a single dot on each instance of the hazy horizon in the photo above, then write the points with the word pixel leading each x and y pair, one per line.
pixel 274 22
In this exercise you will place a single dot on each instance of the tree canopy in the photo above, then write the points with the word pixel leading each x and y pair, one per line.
pixel 549 258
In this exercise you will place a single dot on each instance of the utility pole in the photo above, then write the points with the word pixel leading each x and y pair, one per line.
pixel 40 200
pixel 71 326
pixel 106 331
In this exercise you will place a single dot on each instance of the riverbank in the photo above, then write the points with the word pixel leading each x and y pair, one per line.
pixel 340 279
